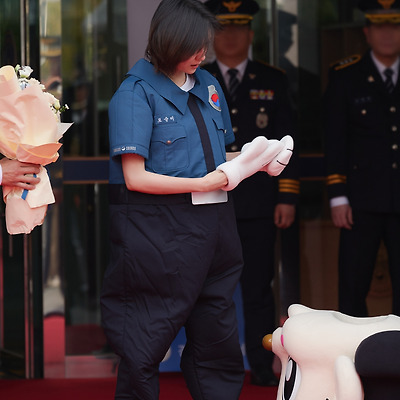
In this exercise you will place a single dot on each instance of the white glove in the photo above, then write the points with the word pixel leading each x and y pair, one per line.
pixel 279 162
pixel 260 154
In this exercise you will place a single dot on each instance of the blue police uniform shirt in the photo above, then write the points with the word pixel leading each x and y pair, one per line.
pixel 149 116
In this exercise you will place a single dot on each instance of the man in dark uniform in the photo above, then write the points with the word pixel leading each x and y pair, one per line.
pixel 259 104
pixel 362 128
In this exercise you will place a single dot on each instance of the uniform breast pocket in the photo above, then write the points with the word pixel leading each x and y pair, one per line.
pixel 220 129
pixel 169 149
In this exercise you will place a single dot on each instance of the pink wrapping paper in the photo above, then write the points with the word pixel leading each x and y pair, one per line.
pixel 29 132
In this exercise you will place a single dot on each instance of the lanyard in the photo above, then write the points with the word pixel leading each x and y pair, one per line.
pixel 201 126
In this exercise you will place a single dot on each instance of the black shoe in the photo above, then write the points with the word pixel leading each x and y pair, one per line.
pixel 264 378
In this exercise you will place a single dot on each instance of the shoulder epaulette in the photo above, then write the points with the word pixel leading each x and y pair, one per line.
pixel 346 62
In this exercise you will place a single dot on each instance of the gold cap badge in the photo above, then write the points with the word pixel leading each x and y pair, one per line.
pixel 386 4
pixel 232 6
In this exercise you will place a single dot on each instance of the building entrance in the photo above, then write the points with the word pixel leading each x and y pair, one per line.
pixel 50 280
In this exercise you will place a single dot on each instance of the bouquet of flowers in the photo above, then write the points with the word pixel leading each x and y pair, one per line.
pixel 30 129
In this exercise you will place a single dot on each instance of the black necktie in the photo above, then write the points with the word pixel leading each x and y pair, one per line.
pixel 389 80
pixel 233 82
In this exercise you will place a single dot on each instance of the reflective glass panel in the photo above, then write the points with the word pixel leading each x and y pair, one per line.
pixel 94 61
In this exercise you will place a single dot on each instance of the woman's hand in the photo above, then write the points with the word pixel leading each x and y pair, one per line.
pixel 213 181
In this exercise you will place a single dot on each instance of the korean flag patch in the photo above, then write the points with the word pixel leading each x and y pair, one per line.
pixel 213 98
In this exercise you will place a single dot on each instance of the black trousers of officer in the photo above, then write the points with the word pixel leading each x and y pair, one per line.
pixel 357 257
pixel 172 265
pixel 258 236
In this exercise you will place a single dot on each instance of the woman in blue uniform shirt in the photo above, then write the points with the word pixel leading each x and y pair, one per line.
pixel 175 256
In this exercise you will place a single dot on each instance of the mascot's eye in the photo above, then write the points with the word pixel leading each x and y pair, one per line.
pixel 292 380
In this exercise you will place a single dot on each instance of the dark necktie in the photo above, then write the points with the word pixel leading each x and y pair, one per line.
pixel 389 80
pixel 233 82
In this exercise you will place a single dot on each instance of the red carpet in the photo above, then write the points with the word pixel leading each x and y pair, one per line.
pixel 172 388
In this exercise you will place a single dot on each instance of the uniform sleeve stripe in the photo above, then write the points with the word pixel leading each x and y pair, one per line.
pixel 291 181
pixel 289 186
pixel 336 178
pixel 292 187
pixel 289 191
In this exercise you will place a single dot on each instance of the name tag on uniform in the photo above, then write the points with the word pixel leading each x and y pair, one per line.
pixel 214 197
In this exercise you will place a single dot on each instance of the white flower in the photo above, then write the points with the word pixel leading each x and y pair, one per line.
pixel 25 72
pixel 24 80
pixel 57 105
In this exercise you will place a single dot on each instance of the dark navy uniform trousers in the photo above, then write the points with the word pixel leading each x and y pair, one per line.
pixel 357 257
pixel 173 264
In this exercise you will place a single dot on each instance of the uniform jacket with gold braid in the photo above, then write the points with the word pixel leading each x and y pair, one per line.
pixel 362 136
pixel 262 107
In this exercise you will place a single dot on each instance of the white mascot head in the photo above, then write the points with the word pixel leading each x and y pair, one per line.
pixel 327 355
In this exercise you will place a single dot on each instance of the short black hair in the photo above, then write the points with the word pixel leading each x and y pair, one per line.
pixel 178 30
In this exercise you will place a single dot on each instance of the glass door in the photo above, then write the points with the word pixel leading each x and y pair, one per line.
pixel 84 57
pixel 20 255
pixel 50 280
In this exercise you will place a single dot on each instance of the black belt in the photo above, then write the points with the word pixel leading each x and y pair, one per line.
pixel 119 194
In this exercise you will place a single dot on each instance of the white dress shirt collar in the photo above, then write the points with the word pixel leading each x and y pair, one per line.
pixel 224 70
pixel 381 68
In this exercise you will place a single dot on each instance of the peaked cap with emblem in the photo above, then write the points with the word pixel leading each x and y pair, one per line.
pixel 381 11
pixel 238 12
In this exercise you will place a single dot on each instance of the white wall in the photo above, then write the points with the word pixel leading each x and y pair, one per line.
pixel 139 14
